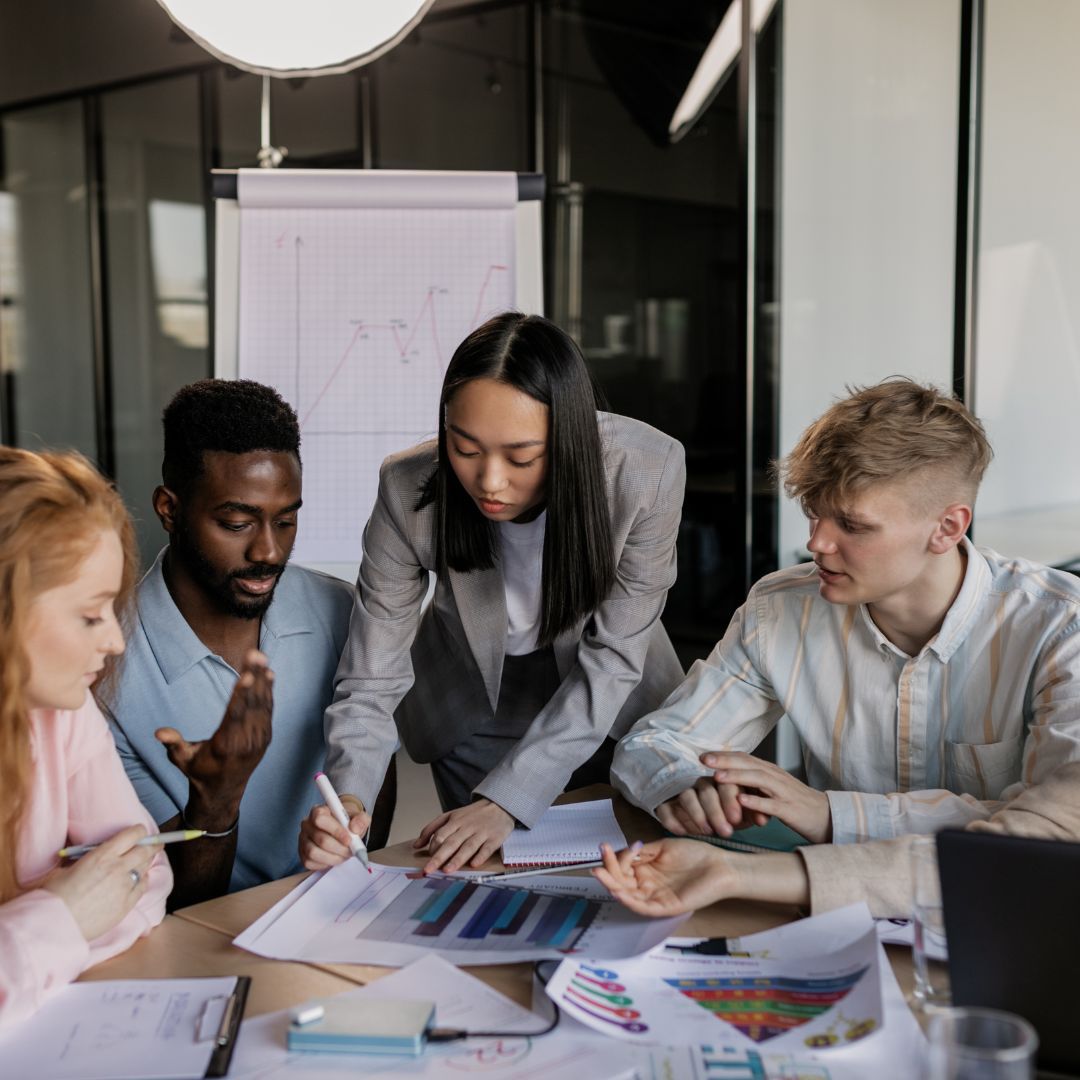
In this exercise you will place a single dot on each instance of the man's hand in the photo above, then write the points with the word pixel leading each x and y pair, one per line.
pixel 707 809
pixel 219 768
pixel 470 834
pixel 669 877
pixel 323 841
pixel 767 790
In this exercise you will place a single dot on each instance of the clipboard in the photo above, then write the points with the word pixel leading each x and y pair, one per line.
pixel 234 1013
pixel 130 1029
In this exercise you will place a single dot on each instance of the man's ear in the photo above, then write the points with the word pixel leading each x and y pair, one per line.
pixel 951 527
pixel 166 506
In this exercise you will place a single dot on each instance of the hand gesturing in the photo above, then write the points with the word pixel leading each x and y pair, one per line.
pixel 219 767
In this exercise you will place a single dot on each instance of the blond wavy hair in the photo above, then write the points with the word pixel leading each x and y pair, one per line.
pixel 897 430
pixel 53 507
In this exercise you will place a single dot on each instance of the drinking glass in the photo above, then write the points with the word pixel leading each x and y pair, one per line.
pixel 980 1044
pixel 930 954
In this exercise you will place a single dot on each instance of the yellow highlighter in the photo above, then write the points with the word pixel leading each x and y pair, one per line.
pixel 147 841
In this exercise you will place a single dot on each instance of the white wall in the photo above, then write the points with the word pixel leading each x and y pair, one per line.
pixel 867 204
pixel 1027 383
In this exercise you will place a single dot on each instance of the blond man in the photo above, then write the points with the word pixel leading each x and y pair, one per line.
pixel 929 681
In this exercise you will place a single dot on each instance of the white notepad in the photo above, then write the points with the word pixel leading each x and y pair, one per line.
pixel 565 834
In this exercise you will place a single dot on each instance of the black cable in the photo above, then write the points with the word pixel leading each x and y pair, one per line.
pixel 445 1035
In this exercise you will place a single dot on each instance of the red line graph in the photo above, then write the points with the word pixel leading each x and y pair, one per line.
pixel 427 308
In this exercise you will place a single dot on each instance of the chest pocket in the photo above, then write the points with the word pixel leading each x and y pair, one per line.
pixel 983 769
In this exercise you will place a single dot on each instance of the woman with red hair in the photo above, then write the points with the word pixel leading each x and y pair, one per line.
pixel 67 570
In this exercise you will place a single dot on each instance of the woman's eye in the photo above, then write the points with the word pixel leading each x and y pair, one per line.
pixel 92 620
pixel 523 464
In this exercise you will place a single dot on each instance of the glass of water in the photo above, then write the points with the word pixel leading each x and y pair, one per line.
pixel 930 954
pixel 980 1044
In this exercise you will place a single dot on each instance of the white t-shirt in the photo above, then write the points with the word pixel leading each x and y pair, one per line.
pixel 522 547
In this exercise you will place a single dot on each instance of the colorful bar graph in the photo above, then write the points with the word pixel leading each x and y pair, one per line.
pixel 508 912
pixel 440 916
pixel 569 924
pixel 432 909
pixel 523 912
pixel 550 920
pixel 487 914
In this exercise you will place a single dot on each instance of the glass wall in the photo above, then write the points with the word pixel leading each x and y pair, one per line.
pixel 643 235
pixel 870 98
pixel 454 95
pixel 155 245
pixel 1027 339
pixel 46 328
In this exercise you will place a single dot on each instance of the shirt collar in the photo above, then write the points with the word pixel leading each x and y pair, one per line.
pixel 961 616
pixel 177 648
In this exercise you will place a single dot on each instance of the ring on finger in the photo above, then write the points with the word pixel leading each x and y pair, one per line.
pixel 136 877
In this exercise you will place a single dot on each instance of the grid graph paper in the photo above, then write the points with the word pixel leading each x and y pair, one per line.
pixel 352 314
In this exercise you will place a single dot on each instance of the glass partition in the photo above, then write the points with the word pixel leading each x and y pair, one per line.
pixel 870 97
pixel 46 330
pixel 1027 338
pixel 156 264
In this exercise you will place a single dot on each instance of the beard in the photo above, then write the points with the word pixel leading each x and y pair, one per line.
pixel 217 584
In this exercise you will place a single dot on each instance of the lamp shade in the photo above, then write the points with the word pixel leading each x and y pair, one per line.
pixel 293 38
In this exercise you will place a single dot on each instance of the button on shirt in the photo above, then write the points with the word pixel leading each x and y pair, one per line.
pixel 169 678
pixel 900 743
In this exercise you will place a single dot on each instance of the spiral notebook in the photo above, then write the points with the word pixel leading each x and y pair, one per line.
pixel 564 835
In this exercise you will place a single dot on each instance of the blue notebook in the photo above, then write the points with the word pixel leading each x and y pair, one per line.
pixel 366 1026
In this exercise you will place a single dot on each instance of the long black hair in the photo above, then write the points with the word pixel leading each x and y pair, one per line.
pixel 534 356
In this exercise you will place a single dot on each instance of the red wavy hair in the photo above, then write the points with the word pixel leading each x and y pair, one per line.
pixel 53 507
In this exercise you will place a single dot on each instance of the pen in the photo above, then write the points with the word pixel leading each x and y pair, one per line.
pixel 223 1033
pixel 503 875
pixel 76 850
pixel 356 844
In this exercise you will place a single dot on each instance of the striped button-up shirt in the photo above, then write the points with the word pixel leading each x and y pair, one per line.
pixel 900 743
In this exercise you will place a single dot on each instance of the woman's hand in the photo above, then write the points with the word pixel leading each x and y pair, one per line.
pixel 470 834
pixel 669 877
pixel 100 888
pixel 323 841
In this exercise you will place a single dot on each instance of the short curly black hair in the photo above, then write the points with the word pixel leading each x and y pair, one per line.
pixel 238 416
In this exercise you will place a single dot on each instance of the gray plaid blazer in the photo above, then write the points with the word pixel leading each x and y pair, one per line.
pixel 437 674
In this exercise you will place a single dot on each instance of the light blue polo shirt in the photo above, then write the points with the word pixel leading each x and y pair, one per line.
pixel 169 678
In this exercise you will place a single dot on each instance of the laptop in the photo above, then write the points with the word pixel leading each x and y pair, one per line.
pixel 1012 922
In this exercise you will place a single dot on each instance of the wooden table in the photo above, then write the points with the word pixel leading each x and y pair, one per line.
pixel 227 916
pixel 181 949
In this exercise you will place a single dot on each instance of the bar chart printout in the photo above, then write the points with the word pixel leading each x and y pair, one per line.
pixel 392 917
pixel 465 915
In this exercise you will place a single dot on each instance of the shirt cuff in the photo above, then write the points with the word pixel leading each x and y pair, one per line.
pixel 669 781
pixel 522 806
pixel 857 816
